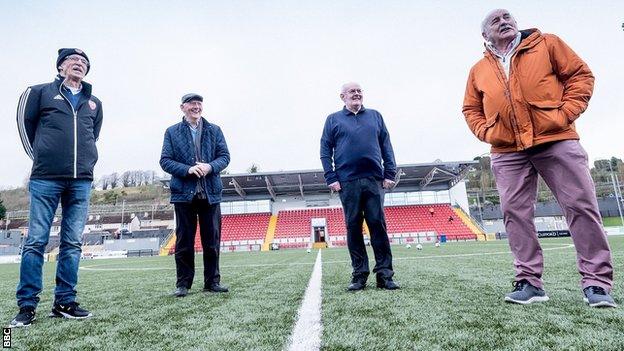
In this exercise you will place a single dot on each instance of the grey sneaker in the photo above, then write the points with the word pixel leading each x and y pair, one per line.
pixel 596 296
pixel 524 293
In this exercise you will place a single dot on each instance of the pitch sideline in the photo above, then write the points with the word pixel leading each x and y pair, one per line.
pixel 96 267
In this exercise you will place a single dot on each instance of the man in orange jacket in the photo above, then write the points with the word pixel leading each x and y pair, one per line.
pixel 523 98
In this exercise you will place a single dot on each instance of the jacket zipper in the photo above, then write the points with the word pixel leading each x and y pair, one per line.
pixel 514 125
pixel 75 131
pixel 192 148
pixel 514 122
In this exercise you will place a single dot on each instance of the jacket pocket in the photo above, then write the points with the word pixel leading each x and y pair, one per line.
pixel 215 186
pixel 547 117
pixel 497 132
pixel 175 185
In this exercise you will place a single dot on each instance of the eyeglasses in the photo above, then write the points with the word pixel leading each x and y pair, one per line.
pixel 353 91
pixel 78 58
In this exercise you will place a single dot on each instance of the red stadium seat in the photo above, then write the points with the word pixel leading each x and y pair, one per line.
pixel 238 227
pixel 399 219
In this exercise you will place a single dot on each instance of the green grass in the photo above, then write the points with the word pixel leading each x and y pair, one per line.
pixel 456 304
pixel 446 303
pixel 612 221
pixel 133 309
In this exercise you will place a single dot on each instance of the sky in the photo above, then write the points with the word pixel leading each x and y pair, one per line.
pixel 270 72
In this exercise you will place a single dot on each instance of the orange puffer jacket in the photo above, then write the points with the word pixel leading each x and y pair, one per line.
pixel 549 86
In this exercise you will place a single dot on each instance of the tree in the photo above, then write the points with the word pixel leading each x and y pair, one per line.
pixel 26 182
pixel 126 179
pixel 2 210
pixel 601 165
pixel 104 182
pixel 115 181
pixel 616 164
pixel 148 177
pixel 253 169
pixel 110 197
pixel 482 177
pixel 604 173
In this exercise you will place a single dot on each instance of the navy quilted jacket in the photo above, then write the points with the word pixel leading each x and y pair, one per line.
pixel 178 156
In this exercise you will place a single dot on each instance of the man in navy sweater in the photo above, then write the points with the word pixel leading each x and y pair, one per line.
pixel 359 164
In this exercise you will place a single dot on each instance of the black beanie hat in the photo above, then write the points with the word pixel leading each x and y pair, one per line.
pixel 64 52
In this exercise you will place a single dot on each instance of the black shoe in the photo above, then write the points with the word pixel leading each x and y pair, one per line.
pixel 356 285
pixel 24 317
pixel 216 288
pixel 70 310
pixel 180 291
pixel 387 284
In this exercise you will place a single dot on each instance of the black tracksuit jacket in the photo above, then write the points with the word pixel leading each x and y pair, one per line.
pixel 58 138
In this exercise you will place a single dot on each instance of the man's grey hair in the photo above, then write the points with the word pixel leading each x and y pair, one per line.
pixel 487 17
pixel 343 88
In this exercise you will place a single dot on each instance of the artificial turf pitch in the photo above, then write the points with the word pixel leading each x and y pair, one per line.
pixel 451 299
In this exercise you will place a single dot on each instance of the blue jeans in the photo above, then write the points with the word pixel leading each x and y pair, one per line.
pixel 44 199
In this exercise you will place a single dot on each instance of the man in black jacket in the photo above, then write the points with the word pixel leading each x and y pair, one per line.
pixel 354 144
pixel 194 153
pixel 59 123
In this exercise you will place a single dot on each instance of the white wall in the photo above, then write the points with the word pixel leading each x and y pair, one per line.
pixel 459 196
pixel 292 203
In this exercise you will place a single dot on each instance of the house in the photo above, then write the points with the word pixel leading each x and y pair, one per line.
pixel 157 219
pixel 108 222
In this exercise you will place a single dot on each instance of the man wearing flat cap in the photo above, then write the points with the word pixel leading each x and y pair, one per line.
pixel 194 152
pixel 59 124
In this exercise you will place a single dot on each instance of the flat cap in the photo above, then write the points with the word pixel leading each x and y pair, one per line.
pixel 192 97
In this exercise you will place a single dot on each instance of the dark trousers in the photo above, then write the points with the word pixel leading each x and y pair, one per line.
pixel 363 199
pixel 209 217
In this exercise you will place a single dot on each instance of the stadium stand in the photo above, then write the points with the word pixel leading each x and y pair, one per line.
pixel 473 225
pixel 238 230
pixel 281 207
pixel 10 242
pixel 160 233
pixel 293 226
pixel 10 237
pixel 418 218
pixel 296 223
pixel 248 226
pixel 270 235
pixel 168 247
pixel 53 243
pixel 95 237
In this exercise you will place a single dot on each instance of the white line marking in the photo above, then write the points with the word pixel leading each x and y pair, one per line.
pixel 307 332
pixel 95 267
